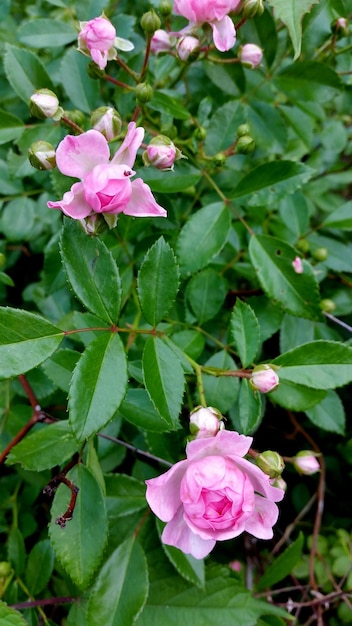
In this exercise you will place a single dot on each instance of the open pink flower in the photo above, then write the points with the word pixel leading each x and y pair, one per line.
pixel 215 12
pixel 106 185
pixel 214 494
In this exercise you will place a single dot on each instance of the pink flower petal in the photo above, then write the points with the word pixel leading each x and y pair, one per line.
pixel 224 33
pixel 163 492
pixel 73 203
pixel 77 156
pixel 177 533
pixel 127 152
pixel 143 203
pixel 225 443
pixel 260 481
pixel 265 515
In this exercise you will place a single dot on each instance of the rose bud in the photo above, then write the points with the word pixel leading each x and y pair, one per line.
pixel 188 48
pixel 41 155
pixel 243 130
pixel 264 379
pixel 341 26
pixel 162 153
pixel 250 55
pixel 279 483
pixel 150 22
pixel 205 422
pixel 107 121
pixel 271 463
pixel 245 144
pixel 144 93
pixel 305 462
pixel 45 103
pixel 251 8
pixel 165 8
pixel 236 566
pixel 297 265
pixel 161 41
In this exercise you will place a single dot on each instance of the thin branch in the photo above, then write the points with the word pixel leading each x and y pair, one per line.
pixel 129 446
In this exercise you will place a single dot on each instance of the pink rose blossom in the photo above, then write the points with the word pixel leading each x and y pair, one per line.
pixel 213 495
pixel 297 265
pixel 105 185
pixel 250 55
pixel 186 46
pixel 97 38
pixel 161 41
pixel 215 12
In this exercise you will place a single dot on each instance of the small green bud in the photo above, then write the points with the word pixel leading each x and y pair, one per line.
pixel 96 224
pixel 165 8
pixel 2 259
pixel 320 254
pixel 76 116
pixel 200 133
pixel 245 145
pixel 144 93
pixel 41 155
pixel 251 8
pixel 219 159
pixel 303 245
pixel 243 130
pixel 271 463
pixel 189 191
pixel 150 22
pixel 94 71
pixel 327 305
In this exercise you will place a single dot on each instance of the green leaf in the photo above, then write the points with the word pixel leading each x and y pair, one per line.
pixel 329 414
pixel 124 495
pixel 283 565
pixel 98 385
pixel 318 364
pixel 206 292
pixel 82 92
pixel 164 379
pixel 270 182
pixel 341 218
pixel 309 80
pixel 165 103
pixel 296 397
pixel 223 126
pixel 291 14
pixel 339 256
pixel 245 332
pixel 202 237
pixel 60 366
pixel 40 566
pixel 182 177
pixel 138 409
pixel 79 546
pixel 11 127
pixel 121 588
pixel 6 280
pixel 26 340
pixel 295 331
pixel 25 72
pixel 248 413
pixel 44 448
pixel 22 227
pixel 46 33
pixel 221 391
pixel 267 127
pixel 297 293
pixel 16 550
pixel 158 280
pixel 186 565
pixel 10 617
pixel 92 272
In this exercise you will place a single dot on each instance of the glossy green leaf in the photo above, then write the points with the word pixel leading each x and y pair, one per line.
pixel 283 564
pixel 25 72
pixel 124 495
pixel 98 385
pixel 10 617
pixel 164 379
pixel 223 126
pixel 121 588
pixel 339 256
pixel 245 332
pixel 267 127
pixel 138 409
pixel 11 127
pixel 46 33
pixel 266 30
pixel 340 218
pixel 183 176
pixel 40 566
pixel 82 92
pixel 296 397
pixel 297 293
pixel 191 342
pixel 202 237
pixel 26 340
pixel 186 565
pixel 291 14
pixel 79 546
pixel 206 292
pixel 221 391
pixel 270 182
pixel 329 414
pixel 158 280
pixel 295 331
pixel 16 550
pixel 318 364
pixel 21 228
pixel 92 272
pixel 248 412
pixel 60 366
pixel 309 80
pixel 165 102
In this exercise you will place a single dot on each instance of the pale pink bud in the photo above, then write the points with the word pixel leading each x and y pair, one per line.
pixel 305 462
pixel 161 153
pixel 187 46
pixel 161 41
pixel 250 55
pixel 41 155
pixel 236 566
pixel 297 265
pixel 205 422
pixel 45 103
pixel 264 379
pixel 279 483
pixel 341 22
pixel 107 121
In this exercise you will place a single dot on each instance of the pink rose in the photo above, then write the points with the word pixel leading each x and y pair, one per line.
pixel 214 494
pixel 250 55
pixel 161 41
pixel 215 12
pixel 105 185
pixel 264 379
pixel 96 38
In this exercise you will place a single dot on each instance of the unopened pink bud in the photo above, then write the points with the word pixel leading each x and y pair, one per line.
pixel 264 379
pixel 205 422
pixel 161 41
pixel 107 121
pixel 250 55
pixel 236 566
pixel 305 462
pixel 297 265
pixel 161 153
pixel 187 46
pixel 45 103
